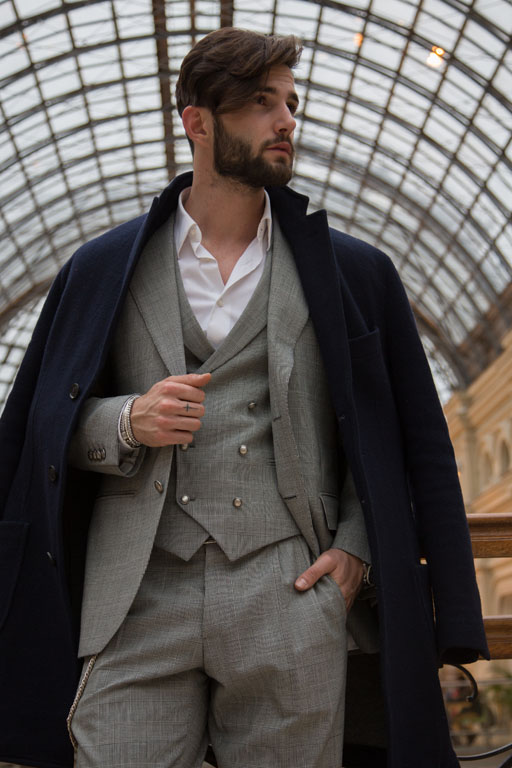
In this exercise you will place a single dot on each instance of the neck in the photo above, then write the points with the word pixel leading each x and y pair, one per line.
pixel 224 210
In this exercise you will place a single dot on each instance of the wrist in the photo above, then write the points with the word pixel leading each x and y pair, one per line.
pixel 367 575
pixel 125 424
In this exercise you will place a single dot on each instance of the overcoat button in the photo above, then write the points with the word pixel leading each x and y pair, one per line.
pixel 159 487
pixel 52 473
pixel 74 391
pixel 51 558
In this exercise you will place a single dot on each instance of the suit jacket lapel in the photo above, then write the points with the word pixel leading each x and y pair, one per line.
pixel 287 315
pixel 155 292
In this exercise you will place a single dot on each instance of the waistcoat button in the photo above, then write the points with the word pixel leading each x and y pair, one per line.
pixel 251 406
pixel 243 450
pixel 184 447
pixel 185 499
pixel 158 485
pixel 237 502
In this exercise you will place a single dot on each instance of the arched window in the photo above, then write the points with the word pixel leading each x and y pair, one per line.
pixel 504 458
pixel 486 470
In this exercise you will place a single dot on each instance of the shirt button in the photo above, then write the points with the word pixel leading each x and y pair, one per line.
pixel 220 302
pixel 158 485
pixel 185 499
pixel 243 450
pixel 237 502
pixel 251 406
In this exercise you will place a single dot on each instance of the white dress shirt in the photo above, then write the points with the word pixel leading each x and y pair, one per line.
pixel 217 306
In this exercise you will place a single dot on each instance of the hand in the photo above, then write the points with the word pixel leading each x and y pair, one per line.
pixel 344 568
pixel 171 411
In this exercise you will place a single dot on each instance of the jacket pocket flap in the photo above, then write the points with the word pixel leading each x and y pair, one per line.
pixel 13 536
pixel 331 505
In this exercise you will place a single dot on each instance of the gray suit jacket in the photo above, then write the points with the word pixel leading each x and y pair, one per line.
pixel 148 346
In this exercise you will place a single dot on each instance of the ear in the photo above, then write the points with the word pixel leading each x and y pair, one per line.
pixel 198 124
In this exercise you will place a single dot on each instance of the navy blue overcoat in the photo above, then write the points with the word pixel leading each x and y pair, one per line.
pixel 393 433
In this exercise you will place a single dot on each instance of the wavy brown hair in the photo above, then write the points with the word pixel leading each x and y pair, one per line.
pixel 225 68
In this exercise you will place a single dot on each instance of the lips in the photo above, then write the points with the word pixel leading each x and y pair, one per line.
pixel 283 146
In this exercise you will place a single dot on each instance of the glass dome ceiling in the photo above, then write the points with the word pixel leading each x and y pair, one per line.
pixel 404 136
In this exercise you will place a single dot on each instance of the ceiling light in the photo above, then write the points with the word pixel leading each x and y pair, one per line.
pixel 435 57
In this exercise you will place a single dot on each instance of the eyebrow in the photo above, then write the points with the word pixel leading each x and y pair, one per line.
pixel 269 89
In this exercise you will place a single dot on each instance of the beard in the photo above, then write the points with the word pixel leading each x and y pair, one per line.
pixel 233 158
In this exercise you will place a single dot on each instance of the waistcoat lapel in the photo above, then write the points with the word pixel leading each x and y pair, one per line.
pixel 155 293
pixel 287 316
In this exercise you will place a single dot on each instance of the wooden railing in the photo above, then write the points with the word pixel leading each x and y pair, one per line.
pixel 491 536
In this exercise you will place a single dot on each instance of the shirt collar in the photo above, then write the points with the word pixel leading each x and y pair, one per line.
pixel 185 226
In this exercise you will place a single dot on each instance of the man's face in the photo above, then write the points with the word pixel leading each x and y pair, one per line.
pixel 254 145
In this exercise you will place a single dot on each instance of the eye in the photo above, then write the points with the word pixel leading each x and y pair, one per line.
pixel 261 99
pixel 293 106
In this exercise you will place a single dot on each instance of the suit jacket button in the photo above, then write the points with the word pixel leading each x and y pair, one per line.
pixel 74 391
pixel 158 485
pixel 52 473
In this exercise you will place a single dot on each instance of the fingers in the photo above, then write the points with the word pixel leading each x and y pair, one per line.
pixel 344 568
pixel 171 411
pixel 324 564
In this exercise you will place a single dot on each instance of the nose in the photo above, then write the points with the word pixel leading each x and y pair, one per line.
pixel 285 121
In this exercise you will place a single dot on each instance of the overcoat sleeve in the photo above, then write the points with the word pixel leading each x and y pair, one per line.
pixel 13 423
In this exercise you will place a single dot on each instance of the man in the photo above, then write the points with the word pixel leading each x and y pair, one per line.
pixel 224 408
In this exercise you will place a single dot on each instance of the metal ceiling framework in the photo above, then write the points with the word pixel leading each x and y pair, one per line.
pixel 404 136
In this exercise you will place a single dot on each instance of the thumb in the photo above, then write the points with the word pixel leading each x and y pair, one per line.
pixel 307 579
